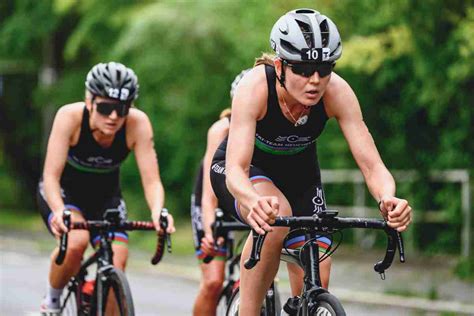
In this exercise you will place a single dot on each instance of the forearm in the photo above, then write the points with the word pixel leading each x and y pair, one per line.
pixel 52 192
pixel 380 182
pixel 209 205
pixel 240 187
pixel 154 195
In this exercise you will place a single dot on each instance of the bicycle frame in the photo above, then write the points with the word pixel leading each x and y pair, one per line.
pixel 324 223
pixel 103 256
pixel 220 229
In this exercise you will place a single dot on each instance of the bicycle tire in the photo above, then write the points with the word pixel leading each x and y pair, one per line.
pixel 325 304
pixel 275 296
pixel 69 303
pixel 71 300
pixel 234 303
pixel 224 299
pixel 116 281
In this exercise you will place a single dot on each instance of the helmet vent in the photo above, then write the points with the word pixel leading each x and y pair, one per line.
pixel 324 27
pixel 307 32
pixel 288 47
pixel 305 11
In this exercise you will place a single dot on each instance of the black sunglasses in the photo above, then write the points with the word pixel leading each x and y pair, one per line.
pixel 308 69
pixel 106 108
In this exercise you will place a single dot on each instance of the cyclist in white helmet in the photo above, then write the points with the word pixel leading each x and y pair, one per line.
pixel 269 166
pixel 203 205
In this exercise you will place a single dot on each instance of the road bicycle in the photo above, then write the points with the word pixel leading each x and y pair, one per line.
pixel 315 300
pixel 109 290
pixel 229 300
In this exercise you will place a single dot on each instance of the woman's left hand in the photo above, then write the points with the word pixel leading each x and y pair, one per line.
pixel 396 211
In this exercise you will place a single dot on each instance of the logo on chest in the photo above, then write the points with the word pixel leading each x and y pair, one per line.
pixel 293 139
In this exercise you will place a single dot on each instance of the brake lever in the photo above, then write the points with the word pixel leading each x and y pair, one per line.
pixel 164 226
pixel 401 248
pixel 64 238
pixel 257 244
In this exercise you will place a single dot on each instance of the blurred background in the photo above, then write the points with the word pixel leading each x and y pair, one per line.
pixel 411 64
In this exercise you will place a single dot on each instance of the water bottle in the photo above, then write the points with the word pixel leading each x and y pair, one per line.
pixel 87 292
pixel 291 307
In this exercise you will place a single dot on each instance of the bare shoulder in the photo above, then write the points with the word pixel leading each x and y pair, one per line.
pixel 137 118
pixel 219 129
pixel 339 96
pixel 255 82
pixel 70 114
pixel 138 127
pixel 252 92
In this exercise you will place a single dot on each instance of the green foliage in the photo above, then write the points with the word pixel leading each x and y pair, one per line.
pixel 410 64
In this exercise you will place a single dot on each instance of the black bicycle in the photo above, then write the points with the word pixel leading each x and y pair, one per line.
pixel 315 300
pixel 229 299
pixel 109 290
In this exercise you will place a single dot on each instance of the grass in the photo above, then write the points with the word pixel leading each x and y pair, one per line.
pixel 17 219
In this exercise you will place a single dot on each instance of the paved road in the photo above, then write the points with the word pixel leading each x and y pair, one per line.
pixel 23 275
pixel 170 288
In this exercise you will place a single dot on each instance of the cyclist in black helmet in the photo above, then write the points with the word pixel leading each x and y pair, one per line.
pixel 89 140
pixel 269 165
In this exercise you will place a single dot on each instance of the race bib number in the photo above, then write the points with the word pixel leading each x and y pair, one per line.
pixel 121 94
pixel 315 54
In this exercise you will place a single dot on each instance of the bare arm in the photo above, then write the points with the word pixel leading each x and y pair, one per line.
pixel 65 123
pixel 248 106
pixel 342 103
pixel 215 136
pixel 147 161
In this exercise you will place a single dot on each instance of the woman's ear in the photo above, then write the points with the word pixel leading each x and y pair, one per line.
pixel 88 104
pixel 278 65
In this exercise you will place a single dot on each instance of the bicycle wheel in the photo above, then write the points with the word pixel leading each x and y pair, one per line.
pixel 271 306
pixel 224 299
pixel 71 300
pixel 113 294
pixel 69 303
pixel 234 303
pixel 325 304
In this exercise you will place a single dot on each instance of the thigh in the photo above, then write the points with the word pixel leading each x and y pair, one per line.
pixel 261 182
pixel 47 214
pixel 311 202
pixel 120 251
pixel 214 270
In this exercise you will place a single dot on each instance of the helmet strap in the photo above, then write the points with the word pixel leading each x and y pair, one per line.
pixel 281 79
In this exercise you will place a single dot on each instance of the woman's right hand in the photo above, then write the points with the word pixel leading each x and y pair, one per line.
pixel 262 213
pixel 57 224
pixel 207 244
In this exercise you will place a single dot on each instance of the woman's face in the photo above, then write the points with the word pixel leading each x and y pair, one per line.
pixel 107 124
pixel 305 90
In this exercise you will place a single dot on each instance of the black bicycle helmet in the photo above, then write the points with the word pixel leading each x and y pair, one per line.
pixel 113 80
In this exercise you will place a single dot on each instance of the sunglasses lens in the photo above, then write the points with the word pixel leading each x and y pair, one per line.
pixel 307 70
pixel 324 69
pixel 107 108
pixel 122 109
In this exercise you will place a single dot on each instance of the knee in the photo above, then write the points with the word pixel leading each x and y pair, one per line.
pixel 213 285
pixel 77 244
pixel 278 235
